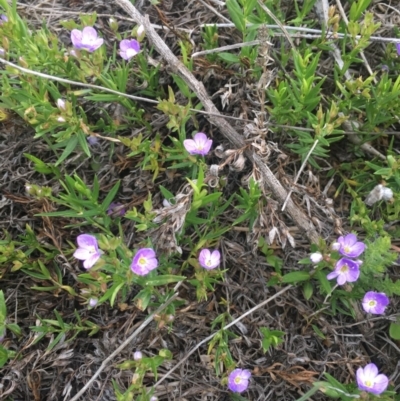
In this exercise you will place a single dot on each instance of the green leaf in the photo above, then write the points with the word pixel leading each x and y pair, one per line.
pixel 236 14
pixel 394 331
pixel 357 8
pixel 71 145
pixel 166 194
pixel 325 284
pixel 115 293
pixel 3 356
pixel 230 58
pixel 308 290
pixel 318 331
pixel 295 277
pixel 164 279
pixel 111 195
pixel 248 7
pixel 3 308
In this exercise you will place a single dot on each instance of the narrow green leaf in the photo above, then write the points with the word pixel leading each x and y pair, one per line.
pixel 68 149
pixel 111 195
pixel 164 279
pixel 295 277
pixel 230 58
pixel 236 14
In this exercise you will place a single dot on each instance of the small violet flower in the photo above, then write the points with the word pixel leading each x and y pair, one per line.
pixel 137 355
pixel 116 209
pixel 398 48
pixel 129 48
pixel 369 380
pixel 86 39
pixel 144 261
pixel 3 19
pixel 375 302
pixel 316 257
pixel 350 247
pixel 92 140
pixel 209 260
pixel 345 270
pixel 199 145
pixel 238 380
pixel 88 250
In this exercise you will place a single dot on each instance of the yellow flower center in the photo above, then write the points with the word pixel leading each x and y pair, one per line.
pixel 347 249
pixel 142 261
pixel 372 303
pixel 92 249
pixel 238 379
pixel 368 383
pixel 344 269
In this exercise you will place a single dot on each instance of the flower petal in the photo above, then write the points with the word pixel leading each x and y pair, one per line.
pixel 190 146
pixel 88 263
pixel 87 241
pixel 76 38
pixel 89 33
pixel 82 254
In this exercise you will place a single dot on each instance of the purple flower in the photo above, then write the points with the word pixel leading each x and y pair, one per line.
pixel 238 380
pixel 209 260
pixel 3 18
pixel 369 380
pixel 86 39
pixel 199 145
pixel 345 270
pixel 116 209
pixel 144 261
pixel 129 48
pixel 88 250
pixel 137 356
pixel 375 302
pixel 350 247
pixel 92 140
pixel 398 48
pixel 316 257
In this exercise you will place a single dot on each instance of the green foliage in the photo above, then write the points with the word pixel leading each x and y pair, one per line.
pixel 271 338
pixel 6 354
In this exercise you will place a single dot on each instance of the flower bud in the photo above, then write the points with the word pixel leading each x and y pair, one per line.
pixel 137 356
pixel 140 33
pixel 335 246
pixel 387 194
pixel 61 104
pixel 112 22
pixel 61 119
pixel 93 302
pixel 316 257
